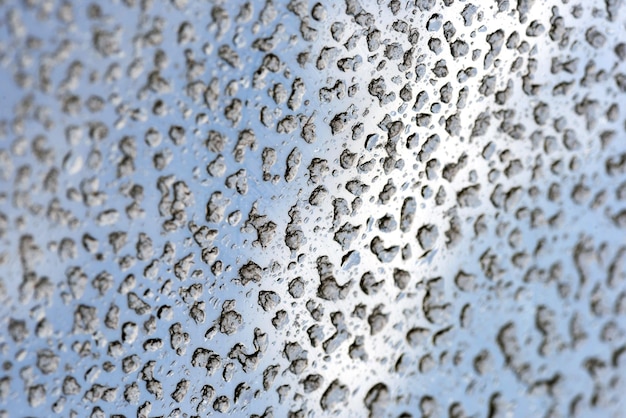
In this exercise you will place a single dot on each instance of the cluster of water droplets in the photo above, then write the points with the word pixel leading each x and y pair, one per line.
pixel 290 208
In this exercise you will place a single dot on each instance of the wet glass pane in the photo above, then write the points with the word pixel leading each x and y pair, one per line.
pixel 393 208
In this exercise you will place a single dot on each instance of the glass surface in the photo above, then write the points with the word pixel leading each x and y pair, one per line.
pixel 290 208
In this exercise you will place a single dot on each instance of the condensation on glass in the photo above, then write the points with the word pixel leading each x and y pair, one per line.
pixel 267 208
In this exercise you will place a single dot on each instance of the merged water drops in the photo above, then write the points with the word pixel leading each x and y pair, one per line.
pixel 292 208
